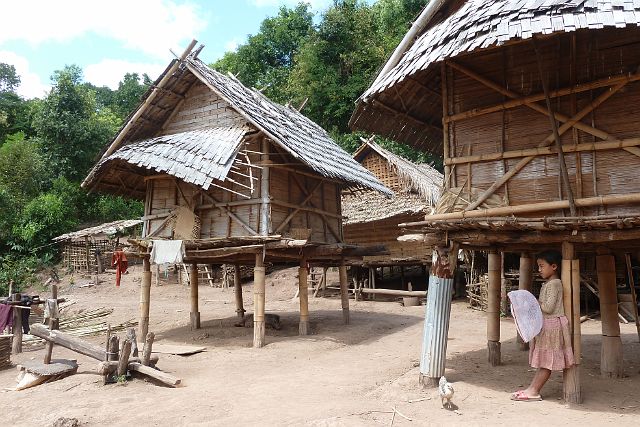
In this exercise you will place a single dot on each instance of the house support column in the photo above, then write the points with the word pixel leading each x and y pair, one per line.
pixel 611 355
pixel 303 294
pixel 525 281
pixel 344 293
pixel 258 302
pixel 570 275
pixel 237 291
pixel 437 313
pixel 193 288
pixel 145 295
pixel 493 308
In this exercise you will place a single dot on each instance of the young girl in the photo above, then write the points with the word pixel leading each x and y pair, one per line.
pixel 551 349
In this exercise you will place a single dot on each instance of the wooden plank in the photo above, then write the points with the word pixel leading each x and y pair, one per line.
pixel 177 349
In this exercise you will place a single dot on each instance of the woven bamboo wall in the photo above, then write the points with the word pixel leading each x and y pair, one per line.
pixel 81 255
pixel 202 108
pixel 379 166
pixel 598 55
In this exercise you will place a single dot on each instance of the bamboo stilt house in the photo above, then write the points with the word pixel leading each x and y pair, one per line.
pixel 533 106
pixel 372 218
pixel 238 178
pixel 90 249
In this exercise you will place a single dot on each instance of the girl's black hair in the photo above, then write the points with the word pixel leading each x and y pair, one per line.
pixel 552 257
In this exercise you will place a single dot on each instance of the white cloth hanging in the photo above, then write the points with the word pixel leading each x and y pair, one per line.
pixel 167 252
pixel 526 312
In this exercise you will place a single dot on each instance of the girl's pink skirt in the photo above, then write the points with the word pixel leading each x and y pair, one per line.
pixel 551 349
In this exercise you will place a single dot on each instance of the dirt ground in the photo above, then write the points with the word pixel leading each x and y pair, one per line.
pixel 339 376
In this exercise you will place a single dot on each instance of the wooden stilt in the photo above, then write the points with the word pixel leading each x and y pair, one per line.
pixel 193 288
pixel 571 385
pixel 145 294
pixel 493 309
pixel 303 287
pixel 54 322
pixel 237 291
pixel 258 302
pixel 611 355
pixel 344 293
pixel 634 299
pixel 525 280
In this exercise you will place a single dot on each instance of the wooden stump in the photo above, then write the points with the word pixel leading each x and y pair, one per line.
pixel 494 353
pixel 54 321
pixel 146 351
pixel 131 336
pixel 344 294
pixel 123 360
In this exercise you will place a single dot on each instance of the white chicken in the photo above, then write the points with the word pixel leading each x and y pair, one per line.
pixel 446 391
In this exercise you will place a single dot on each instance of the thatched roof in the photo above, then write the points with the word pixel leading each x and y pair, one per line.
pixel 108 228
pixel 464 27
pixel 286 127
pixel 421 189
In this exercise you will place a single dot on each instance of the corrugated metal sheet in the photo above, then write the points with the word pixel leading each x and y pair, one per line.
pixel 295 133
pixel 436 327
pixel 480 24
pixel 197 156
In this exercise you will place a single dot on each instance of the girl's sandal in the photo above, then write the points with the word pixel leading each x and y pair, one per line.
pixel 520 396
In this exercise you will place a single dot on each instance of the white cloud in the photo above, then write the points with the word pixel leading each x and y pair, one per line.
pixel 30 84
pixel 148 26
pixel 109 72
pixel 315 4
pixel 232 45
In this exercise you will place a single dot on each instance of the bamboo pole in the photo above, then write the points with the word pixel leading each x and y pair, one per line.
pixel 344 293
pixel 611 200
pixel 445 125
pixel 493 309
pixel 575 294
pixel 632 285
pixel 611 355
pixel 265 226
pixel 547 151
pixel 303 295
pixel 237 291
pixel 258 302
pixel 393 292
pixel 572 389
pixel 556 136
pixel 525 281
pixel 193 294
pixel 145 296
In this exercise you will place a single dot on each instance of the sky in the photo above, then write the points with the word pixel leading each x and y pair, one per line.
pixel 110 38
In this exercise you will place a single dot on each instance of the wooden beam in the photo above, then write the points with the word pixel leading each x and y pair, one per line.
pixel 230 214
pixel 410 118
pixel 296 210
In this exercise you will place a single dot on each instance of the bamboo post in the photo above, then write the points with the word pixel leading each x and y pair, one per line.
pixel 344 293
pixel 611 354
pixel 632 285
pixel 258 302
pixel 193 288
pixel 264 188
pixel 123 360
pixel 145 295
pixel 54 322
pixel 16 343
pixel 493 309
pixel 525 281
pixel 237 291
pixel 572 389
pixel 303 294
pixel 148 345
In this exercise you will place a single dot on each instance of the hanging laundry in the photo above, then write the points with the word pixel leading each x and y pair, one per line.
pixel 167 252
pixel 6 317
pixel 119 261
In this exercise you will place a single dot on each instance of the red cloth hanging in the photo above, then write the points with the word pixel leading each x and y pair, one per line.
pixel 119 261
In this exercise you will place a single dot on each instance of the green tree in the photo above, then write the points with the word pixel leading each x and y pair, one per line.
pixel 265 61
pixel 9 79
pixel 15 112
pixel 22 170
pixel 71 129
